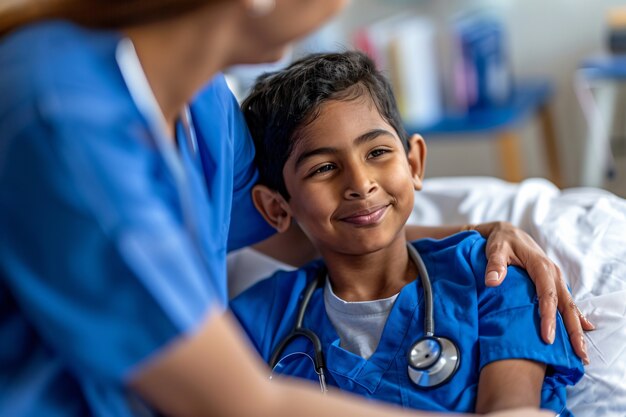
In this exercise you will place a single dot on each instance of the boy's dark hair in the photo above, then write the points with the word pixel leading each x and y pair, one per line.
pixel 283 102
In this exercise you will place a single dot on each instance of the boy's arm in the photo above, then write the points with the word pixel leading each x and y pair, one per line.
pixel 511 383
pixel 512 355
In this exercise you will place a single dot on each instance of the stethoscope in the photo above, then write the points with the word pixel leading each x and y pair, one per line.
pixel 432 360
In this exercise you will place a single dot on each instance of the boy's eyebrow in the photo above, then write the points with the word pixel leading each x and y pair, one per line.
pixel 359 140
pixel 372 134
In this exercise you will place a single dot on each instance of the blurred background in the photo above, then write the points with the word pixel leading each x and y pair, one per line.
pixel 505 88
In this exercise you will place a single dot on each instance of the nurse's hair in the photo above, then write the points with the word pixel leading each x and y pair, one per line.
pixel 284 102
pixel 108 14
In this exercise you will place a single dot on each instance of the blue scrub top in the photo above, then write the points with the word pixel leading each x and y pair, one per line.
pixel 488 324
pixel 97 271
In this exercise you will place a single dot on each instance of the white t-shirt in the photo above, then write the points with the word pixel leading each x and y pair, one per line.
pixel 359 324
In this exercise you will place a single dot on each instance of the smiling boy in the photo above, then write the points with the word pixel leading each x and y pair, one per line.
pixel 334 157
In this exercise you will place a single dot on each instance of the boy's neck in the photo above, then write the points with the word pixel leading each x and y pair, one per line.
pixel 372 276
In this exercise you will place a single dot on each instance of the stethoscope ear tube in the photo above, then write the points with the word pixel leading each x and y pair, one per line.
pixel 298 330
pixel 320 364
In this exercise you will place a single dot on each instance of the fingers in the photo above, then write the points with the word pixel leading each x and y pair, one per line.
pixel 494 275
pixel 553 294
pixel 546 275
pixel 584 321
pixel 571 319
pixel 548 301
pixel 497 262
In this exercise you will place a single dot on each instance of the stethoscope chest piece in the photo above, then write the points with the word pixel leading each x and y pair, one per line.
pixel 432 361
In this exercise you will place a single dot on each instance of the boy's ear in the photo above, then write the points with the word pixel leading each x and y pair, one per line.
pixel 272 207
pixel 417 159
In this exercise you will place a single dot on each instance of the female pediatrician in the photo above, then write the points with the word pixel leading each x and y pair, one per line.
pixel 115 208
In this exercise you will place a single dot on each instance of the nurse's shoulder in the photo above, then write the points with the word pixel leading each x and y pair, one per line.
pixel 56 70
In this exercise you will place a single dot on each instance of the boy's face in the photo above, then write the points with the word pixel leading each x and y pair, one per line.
pixel 350 180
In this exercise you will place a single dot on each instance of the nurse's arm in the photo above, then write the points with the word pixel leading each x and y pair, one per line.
pixel 509 245
pixel 509 384
pixel 214 372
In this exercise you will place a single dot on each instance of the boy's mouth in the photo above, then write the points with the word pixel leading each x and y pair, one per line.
pixel 366 217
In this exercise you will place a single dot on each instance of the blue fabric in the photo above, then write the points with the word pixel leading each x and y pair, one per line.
pixel 96 269
pixel 488 324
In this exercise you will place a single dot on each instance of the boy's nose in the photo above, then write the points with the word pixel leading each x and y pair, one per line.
pixel 359 184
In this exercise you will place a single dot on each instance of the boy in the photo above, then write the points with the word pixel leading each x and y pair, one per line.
pixel 333 156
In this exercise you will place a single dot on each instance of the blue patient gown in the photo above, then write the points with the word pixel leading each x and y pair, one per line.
pixel 488 324
pixel 97 271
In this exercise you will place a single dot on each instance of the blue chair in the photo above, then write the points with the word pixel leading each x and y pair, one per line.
pixel 529 98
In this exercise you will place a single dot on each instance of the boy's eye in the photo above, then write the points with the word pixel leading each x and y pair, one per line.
pixel 322 169
pixel 378 152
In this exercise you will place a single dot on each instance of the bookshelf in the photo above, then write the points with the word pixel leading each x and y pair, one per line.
pixel 479 96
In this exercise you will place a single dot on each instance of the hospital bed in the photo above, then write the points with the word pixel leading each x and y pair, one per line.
pixel 582 229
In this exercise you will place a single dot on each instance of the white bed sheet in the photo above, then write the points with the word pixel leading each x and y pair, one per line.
pixel 583 230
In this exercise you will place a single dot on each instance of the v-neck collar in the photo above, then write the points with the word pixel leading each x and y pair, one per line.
pixel 404 316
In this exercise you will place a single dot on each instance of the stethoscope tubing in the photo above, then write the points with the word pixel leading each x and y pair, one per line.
pixel 298 330
pixel 429 316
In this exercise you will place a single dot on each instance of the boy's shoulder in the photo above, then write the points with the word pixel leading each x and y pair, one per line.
pixel 267 309
pixel 273 295
pixel 463 255
pixel 280 284
pixel 463 245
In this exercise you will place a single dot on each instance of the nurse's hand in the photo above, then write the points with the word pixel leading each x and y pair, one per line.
pixel 508 245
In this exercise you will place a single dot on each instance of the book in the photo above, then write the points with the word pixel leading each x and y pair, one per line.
pixel 404 49
pixel 482 76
